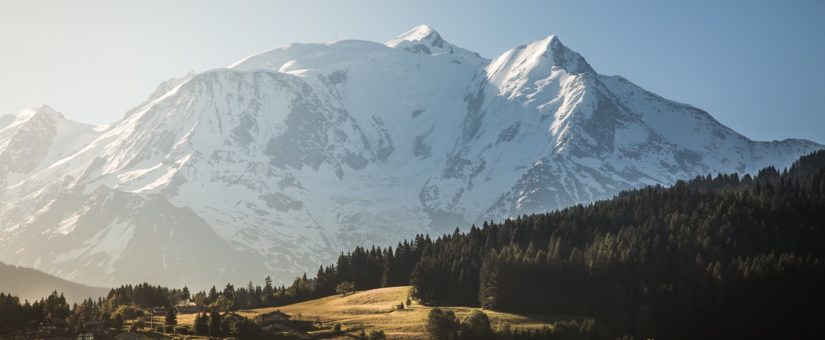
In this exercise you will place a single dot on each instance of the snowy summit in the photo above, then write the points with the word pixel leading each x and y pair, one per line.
pixel 284 159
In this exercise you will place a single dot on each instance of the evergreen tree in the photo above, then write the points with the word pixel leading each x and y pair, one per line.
pixel 171 317
pixel 214 323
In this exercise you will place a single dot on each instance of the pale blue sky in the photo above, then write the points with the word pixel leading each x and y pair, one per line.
pixel 757 66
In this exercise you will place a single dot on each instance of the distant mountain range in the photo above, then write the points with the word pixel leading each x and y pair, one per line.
pixel 30 284
pixel 275 164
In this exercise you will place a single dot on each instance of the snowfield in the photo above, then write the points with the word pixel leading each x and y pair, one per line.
pixel 277 163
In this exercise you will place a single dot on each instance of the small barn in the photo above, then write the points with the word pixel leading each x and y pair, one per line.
pixel 271 317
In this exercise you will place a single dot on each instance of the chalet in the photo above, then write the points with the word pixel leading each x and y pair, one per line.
pixel 271 317
pixel 189 308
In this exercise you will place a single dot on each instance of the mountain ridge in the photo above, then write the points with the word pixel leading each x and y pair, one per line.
pixel 30 284
pixel 291 155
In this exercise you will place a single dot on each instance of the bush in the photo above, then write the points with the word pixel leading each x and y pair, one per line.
pixel 376 335
pixel 337 328
pixel 399 306
pixel 477 326
pixel 168 329
pixel 159 329
pixel 129 312
pixel 201 324
pixel 222 304
pixel 441 325
pixel 574 329
pixel 245 329
pixel 182 330
pixel 345 288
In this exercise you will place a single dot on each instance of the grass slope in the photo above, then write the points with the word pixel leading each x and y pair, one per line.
pixel 374 309
pixel 31 284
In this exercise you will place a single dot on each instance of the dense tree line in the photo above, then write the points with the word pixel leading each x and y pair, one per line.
pixel 716 256
pixel 15 315
pixel 364 268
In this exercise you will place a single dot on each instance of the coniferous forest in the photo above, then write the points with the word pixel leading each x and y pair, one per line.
pixel 714 257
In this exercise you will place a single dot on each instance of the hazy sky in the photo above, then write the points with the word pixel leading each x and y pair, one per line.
pixel 756 66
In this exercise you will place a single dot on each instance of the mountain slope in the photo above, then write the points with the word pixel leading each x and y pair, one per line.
pixel 30 284
pixel 33 139
pixel 281 160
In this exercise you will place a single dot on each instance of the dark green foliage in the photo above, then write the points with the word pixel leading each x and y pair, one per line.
pixel 476 326
pixel 376 335
pixel 201 324
pixel 214 323
pixel 714 257
pixel 129 312
pixel 441 325
pixel 171 317
pixel 245 329
pixel 563 330
pixel 12 314
pixel 144 295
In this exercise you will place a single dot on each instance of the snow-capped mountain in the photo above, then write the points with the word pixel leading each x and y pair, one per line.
pixel 33 139
pixel 279 162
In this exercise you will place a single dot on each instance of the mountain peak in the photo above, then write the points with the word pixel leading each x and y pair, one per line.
pixel 421 34
pixel 551 48
pixel 43 111
pixel 521 70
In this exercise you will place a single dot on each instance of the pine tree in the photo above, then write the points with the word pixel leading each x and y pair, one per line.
pixel 171 317
pixel 214 323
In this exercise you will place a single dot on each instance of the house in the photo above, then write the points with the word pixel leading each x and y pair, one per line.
pixel 189 308
pixel 86 336
pixel 159 311
pixel 271 317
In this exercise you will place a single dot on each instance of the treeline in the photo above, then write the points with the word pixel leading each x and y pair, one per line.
pixel 16 315
pixel 713 257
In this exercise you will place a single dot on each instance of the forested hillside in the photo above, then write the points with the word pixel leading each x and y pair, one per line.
pixel 712 257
